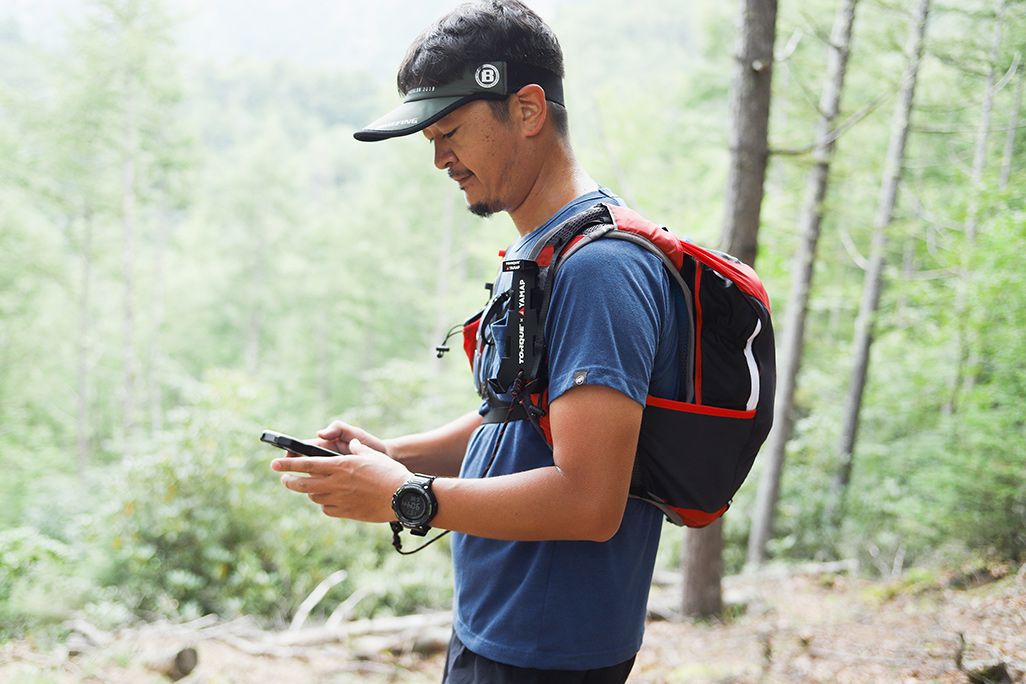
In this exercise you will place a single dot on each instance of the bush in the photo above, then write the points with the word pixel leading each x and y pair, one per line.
pixel 201 525
pixel 37 581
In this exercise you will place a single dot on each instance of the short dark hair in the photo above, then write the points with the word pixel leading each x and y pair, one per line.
pixel 499 30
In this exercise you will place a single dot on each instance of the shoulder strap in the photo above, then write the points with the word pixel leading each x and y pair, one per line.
pixel 624 224
pixel 522 364
pixel 564 240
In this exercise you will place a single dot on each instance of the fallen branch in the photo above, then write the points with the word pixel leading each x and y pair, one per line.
pixel 388 625
pixel 260 648
pixel 344 610
pixel 849 566
pixel 85 636
pixel 315 597
pixel 424 642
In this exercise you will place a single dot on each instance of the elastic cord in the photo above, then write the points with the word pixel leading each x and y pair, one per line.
pixel 518 388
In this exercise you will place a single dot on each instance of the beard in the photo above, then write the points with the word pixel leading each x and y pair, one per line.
pixel 484 209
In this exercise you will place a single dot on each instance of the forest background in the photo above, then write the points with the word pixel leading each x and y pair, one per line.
pixel 193 248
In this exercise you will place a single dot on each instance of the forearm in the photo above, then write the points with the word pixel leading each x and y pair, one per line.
pixel 435 452
pixel 581 496
pixel 535 505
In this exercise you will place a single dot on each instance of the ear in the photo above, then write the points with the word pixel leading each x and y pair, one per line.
pixel 530 109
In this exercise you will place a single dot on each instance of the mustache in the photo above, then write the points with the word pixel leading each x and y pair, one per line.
pixel 457 173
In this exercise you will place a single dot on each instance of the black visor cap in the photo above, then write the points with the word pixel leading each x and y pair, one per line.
pixel 486 81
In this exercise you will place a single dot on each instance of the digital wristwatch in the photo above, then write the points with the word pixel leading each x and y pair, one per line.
pixel 415 504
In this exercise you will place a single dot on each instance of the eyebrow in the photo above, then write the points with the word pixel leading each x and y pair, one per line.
pixel 437 124
pixel 425 132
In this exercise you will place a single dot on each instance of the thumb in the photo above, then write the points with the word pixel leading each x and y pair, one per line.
pixel 333 431
pixel 355 444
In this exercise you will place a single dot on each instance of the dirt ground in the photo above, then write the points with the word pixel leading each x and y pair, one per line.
pixel 791 628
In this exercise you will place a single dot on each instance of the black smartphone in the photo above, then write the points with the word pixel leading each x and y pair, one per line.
pixel 294 445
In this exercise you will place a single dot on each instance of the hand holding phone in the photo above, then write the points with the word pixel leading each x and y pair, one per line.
pixel 294 445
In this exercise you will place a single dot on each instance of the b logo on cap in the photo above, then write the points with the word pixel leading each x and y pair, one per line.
pixel 487 76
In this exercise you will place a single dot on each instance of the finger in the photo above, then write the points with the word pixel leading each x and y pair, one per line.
pixel 307 485
pixel 334 430
pixel 312 486
pixel 295 483
pixel 356 446
pixel 336 445
pixel 303 464
pixel 332 511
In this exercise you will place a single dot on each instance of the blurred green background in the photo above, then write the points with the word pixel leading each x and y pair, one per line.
pixel 193 248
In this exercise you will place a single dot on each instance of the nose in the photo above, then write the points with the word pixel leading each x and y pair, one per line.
pixel 443 153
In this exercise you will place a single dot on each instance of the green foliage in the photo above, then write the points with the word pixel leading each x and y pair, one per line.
pixel 37 580
pixel 284 275
pixel 199 524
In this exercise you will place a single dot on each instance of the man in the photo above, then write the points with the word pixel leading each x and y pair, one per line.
pixel 552 561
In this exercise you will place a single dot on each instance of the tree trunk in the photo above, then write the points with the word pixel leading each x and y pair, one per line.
pixel 1013 127
pixel 443 322
pixel 749 141
pixel 965 360
pixel 873 284
pixel 749 147
pixel 325 366
pixel 254 331
pixel 801 284
pixel 701 570
pixel 256 273
pixel 128 256
pixel 983 134
pixel 152 381
pixel 443 272
pixel 85 278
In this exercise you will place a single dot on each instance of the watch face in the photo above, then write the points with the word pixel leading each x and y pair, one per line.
pixel 413 505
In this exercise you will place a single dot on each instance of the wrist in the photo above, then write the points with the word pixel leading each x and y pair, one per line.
pixel 395 448
pixel 402 449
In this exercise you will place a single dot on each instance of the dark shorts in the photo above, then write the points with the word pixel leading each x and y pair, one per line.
pixel 463 666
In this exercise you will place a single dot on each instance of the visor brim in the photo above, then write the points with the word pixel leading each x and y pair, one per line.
pixel 410 117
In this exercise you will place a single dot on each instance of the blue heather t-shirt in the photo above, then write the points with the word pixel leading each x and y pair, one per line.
pixel 574 605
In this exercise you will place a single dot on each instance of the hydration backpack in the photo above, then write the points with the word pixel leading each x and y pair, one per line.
pixel 695 449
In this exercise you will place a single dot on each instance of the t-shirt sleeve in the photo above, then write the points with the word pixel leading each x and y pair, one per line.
pixel 609 302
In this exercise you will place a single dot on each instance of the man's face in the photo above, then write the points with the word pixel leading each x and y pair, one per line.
pixel 479 152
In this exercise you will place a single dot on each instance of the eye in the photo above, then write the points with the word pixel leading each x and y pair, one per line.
pixel 450 133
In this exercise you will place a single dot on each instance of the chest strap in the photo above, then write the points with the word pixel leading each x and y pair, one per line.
pixel 498 414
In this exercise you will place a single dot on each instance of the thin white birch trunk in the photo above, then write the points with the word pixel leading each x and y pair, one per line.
pixel 158 306
pixel 801 284
pixel 873 283
pixel 443 321
pixel 128 256
pixel 83 383
pixel 1013 128
pixel 965 359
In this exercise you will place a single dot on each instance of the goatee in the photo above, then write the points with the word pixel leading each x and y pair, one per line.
pixel 483 209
